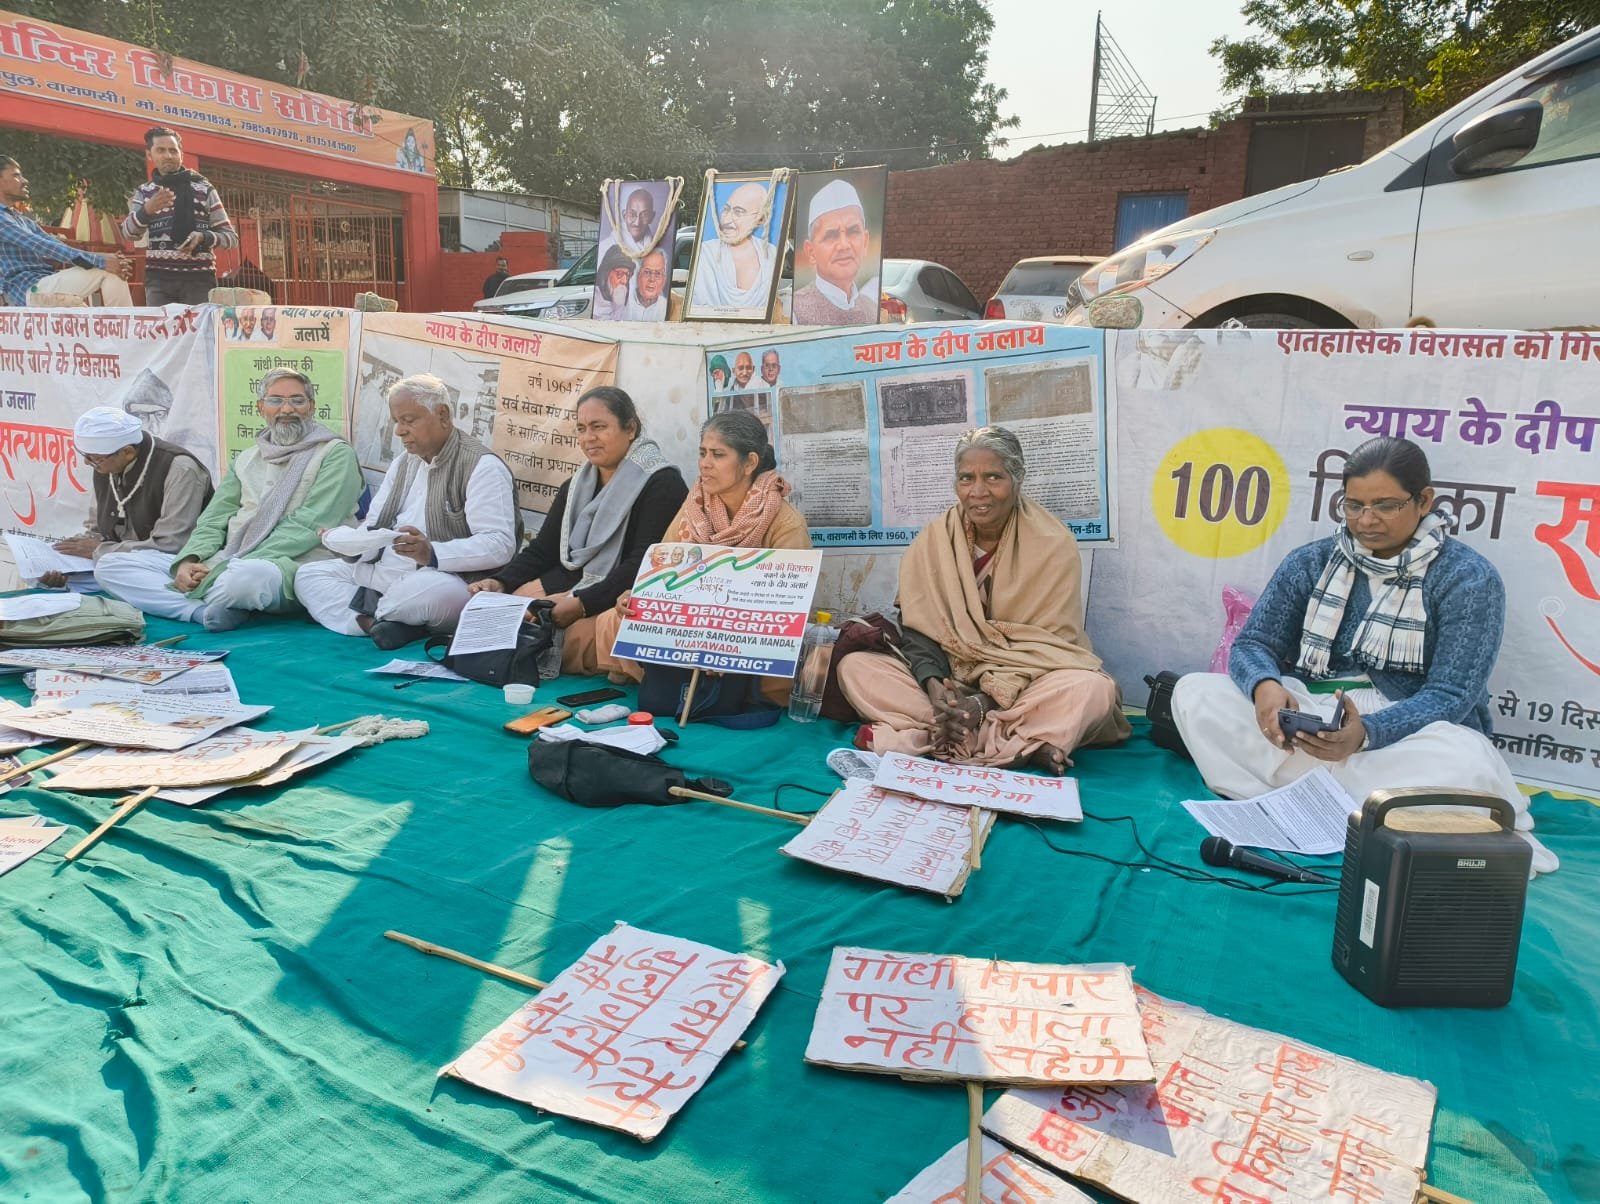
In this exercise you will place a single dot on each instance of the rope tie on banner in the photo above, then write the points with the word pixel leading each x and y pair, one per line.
pixel 610 190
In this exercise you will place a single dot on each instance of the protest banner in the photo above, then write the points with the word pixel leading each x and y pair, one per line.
pixel 865 424
pixel 623 1038
pixel 1236 1113
pixel 313 749
pixel 227 757
pixel 212 680
pixel 513 389
pixel 1007 1178
pixel 252 341
pixel 146 721
pixel 143 664
pixel 927 1016
pixel 56 363
pixel 878 834
pixel 21 838
pixel 977 786
pixel 729 610
pixel 1229 463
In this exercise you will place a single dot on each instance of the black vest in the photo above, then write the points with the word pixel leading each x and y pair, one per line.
pixel 144 507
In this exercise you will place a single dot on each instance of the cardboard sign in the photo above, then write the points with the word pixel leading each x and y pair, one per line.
pixel 1008 1178
pixel 228 757
pixel 146 721
pixel 974 786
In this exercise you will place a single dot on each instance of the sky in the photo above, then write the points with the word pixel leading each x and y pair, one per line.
pixel 1042 53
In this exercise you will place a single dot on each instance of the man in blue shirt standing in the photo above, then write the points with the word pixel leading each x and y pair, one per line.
pixel 32 262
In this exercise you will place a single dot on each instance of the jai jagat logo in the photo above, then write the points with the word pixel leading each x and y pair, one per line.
pixel 1580 507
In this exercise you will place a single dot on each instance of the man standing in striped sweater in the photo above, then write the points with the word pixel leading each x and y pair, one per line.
pixel 184 218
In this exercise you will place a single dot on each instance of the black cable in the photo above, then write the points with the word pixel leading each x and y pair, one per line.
pixel 777 792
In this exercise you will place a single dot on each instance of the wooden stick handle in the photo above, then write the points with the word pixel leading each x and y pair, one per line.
pixel 688 699
pixel 129 805
pixel 29 766
pixel 975 822
pixel 1440 1196
pixel 433 950
pixel 170 641
pixel 685 792
pixel 974 1143
pixel 339 727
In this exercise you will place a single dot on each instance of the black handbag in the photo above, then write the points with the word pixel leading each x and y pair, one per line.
pixel 1163 728
pixel 595 775
pixel 504 666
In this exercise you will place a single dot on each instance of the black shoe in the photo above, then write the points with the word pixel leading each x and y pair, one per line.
pixel 390 635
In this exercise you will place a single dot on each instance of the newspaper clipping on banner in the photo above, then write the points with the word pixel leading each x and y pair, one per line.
pixel 512 388
pixel 865 424
pixel 1231 450
pixel 729 610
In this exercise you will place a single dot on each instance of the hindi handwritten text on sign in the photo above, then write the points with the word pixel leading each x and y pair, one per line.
pixel 975 786
pixel 1008 1178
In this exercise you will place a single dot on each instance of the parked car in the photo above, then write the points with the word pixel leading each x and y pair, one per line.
pixel 524 281
pixel 915 290
pixel 1485 216
pixel 569 297
pixel 1037 289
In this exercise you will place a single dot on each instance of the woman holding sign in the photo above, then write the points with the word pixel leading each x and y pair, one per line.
pixel 738 502
pixel 601 524
pixel 1000 670
pixel 1391 628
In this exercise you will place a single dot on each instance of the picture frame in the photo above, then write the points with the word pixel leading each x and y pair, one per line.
pixel 740 212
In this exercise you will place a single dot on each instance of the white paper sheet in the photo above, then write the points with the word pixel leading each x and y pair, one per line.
pixel 37 606
pixel 353 541
pixel 211 682
pixel 974 786
pixel 635 737
pixel 21 840
pixel 1236 1113
pixel 141 663
pixel 489 623
pixel 34 557
pixel 932 1016
pixel 1306 816
pixel 405 668
pixel 1008 1178
pixel 12 740
pixel 142 721
pixel 624 1037
pixel 892 837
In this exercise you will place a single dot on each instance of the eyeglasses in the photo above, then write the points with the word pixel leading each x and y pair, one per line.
pixel 1387 508
pixel 275 403
pixel 652 274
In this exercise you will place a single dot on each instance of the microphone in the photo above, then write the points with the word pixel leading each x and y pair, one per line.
pixel 1216 851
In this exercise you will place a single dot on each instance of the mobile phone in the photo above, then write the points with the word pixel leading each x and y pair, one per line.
pixel 1294 723
pixel 534 720
pixel 590 697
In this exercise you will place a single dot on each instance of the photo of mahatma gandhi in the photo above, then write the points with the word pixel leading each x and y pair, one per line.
pixel 744 219
pixel 638 230
pixel 839 256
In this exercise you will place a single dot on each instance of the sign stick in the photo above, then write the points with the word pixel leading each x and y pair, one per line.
pixel 1440 1196
pixel 974 1143
pixel 977 837
pixel 688 698
pixel 129 805
pixel 169 641
pixel 685 792
pixel 30 766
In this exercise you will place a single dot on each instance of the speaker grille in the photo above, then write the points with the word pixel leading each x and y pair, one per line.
pixel 1460 926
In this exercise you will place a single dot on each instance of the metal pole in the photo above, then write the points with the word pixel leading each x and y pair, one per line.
pixel 1094 78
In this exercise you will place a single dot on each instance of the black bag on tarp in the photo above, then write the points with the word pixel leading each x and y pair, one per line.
pixel 504 665
pixel 594 775
pixel 1163 727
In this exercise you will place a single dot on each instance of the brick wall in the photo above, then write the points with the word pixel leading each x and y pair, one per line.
pixel 462 273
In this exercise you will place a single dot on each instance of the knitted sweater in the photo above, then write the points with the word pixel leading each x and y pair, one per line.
pixel 162 258
pixel 1465 604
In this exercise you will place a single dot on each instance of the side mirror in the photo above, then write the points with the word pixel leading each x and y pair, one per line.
pixel 1116 313
pixel 1498 138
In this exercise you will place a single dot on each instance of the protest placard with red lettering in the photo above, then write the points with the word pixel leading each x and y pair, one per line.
pixel 1008 1178
pixel 980 786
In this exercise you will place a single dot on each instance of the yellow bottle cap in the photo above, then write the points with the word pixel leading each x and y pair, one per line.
pixel 824 616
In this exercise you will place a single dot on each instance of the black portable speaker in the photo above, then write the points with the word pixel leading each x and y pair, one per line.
pixel 1158 709
pixel 1431 918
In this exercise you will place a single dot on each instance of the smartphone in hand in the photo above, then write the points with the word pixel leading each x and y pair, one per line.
pixel 1296 723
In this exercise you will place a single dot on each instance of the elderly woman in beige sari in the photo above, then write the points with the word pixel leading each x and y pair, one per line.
pixel 1000 671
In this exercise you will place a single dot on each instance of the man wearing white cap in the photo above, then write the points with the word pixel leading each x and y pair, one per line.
pixel 148 493
pixel 297 478
pixel 836 244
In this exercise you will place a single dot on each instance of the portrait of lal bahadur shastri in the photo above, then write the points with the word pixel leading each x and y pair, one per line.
pixel 744 221
pixel 838 218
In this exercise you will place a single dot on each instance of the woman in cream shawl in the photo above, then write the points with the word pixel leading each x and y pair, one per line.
pixel 1000 671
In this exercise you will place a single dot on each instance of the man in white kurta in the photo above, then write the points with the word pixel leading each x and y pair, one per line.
pixel 717 283
pixel 450 506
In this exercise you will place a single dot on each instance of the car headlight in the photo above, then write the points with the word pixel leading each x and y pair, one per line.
pixel 572 307
pixel 1141 264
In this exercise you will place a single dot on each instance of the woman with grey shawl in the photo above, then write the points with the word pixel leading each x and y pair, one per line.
pixel 603 521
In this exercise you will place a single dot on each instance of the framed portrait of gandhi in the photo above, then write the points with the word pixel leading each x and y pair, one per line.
pixel 740 248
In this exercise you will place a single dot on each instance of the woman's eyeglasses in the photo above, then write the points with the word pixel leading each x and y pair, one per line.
pixel 1387 508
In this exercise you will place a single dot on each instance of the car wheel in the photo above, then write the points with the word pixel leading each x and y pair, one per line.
pixel 1270 321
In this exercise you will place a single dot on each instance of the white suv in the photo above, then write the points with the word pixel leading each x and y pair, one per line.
pixel 1486 216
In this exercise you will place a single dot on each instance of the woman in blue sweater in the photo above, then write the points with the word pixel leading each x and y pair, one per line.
pixel 1404 619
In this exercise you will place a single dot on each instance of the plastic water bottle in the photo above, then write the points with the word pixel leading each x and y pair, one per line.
pixel 811 674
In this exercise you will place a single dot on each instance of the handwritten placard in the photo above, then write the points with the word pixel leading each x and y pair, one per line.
pixel 925 1016
pixel 626 1036
pixel 313 750
pixel 226 757
pixel 21 838
pixel 213 681
pixel 1236 1113
pixel 975 786
pixel 145 721
pixel 730 610
pixel 891 837
pixel 1008 1178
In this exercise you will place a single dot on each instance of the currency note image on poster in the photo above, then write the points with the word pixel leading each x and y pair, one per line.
pixel 866 424
pixel 56 363
pixel 1231 451
pixel 512 388
pixel 254 340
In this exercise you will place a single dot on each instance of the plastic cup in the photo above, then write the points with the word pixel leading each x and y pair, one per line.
pixel 518 694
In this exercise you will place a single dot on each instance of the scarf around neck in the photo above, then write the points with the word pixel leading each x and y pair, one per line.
pixel 184 217
pixel 294 458
pixel 596 518
pixel 1392 633
pixel 706 519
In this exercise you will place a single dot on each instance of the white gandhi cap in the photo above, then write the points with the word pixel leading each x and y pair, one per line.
pixel 835 194
pixel 103 431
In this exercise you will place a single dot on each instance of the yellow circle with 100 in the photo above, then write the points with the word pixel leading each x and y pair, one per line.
pixel 1220 493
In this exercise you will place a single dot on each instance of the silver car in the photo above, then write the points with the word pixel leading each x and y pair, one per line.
pixel 915 290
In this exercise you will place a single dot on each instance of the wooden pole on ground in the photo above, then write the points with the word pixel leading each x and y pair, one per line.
pixel 29 766
pixel 129 805
pixel 688 699
pixel 974 1143
pixel 170 641
pixel 1440 1196
pixel 685 792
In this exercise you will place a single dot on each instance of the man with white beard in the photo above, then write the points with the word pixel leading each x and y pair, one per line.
pixel 649 300
pixel 297 479
pixel 734 271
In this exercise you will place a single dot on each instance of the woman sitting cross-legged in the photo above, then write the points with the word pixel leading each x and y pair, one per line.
pixel 1405 618
pixel 1001 672
pixel 601 524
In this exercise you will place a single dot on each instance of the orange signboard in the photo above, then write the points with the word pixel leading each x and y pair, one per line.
pixel 51 62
